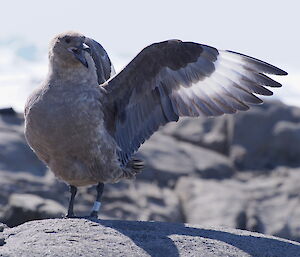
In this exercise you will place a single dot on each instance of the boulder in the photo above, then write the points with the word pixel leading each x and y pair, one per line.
pixel 210 133
pixel 26 207
pixel 164 161
pixel 268 203
pixel 2 227
pixel 286 143
pixel 211 202
pixel 167 159
pixel 83 237
pixel 23 182
pixel 208 164
pixel 252 139
pixel 254 132
pixel 15 154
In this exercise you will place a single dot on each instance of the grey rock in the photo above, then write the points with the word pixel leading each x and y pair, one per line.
pixel 24 207
pixel 2 227
pixel 26 182
pixel 208 164
pixel 211 202
pixel 210 133
pixel 15 154
pixel 252 139
pixel 252 136
pixel 286 143
pixel 275 203
pixel 2 241
pixel 167 159
pixel 8 111
pixel 164 161
pixel 268 203
pixel 82 237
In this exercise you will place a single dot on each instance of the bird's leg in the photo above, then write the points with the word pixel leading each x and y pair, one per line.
pixel 97 203
pixel 73 191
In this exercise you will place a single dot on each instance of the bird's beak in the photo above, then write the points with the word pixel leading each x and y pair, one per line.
pixel 79 53
pixel 86 48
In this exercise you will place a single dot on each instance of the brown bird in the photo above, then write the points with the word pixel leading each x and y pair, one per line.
pixel 86 124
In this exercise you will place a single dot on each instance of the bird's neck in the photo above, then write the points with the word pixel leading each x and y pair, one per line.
pixel 71 73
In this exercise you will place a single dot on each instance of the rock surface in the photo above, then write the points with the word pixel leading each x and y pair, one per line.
pixel 166 160
pixel 82 237
pixel 15 154
pixel 267 204
pixel 253 134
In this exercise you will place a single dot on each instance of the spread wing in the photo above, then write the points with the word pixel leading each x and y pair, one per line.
pixel 104 67
pixel 174 78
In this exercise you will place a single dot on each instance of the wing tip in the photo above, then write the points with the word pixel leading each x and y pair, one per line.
pixel 282 73
pixel 272 69
pixel 278 71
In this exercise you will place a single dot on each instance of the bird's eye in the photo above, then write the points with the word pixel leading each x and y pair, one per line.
pixel 68 40
pixel 75 50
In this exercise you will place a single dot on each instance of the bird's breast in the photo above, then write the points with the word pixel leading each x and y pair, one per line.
pixel 63 122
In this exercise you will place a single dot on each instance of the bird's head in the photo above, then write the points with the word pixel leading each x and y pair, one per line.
pixel 69 48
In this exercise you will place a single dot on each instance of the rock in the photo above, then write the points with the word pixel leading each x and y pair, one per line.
pixel 2 227
pixel 25 207
pixel 211 202
pixel 167 159
pixel 286 143
pixel 2 241
pixel 8 111
pixel 210 133
pixel 252 136
pixel 15 154
pixel 247 137
pixel 23 182
pixel 275 203
pixel 137 200
pixel 267 204
pixel 164 161
pixel 208 164
pixel 82 237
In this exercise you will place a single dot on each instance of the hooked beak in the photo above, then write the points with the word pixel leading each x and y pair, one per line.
pixel 79 53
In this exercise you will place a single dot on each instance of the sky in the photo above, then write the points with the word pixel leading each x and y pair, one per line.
pixel 264 28
pixel 268 30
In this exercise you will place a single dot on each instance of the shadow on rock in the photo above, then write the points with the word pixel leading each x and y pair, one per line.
pixel 168 236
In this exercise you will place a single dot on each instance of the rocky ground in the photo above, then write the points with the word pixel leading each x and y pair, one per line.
pixel 83 237
pixel 238 171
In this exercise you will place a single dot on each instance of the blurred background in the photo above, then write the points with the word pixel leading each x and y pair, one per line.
pixel 237 171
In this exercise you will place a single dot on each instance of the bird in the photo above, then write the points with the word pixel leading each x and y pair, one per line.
pixel 86 122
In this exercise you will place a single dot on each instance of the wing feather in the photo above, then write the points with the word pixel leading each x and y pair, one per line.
pixel 104 67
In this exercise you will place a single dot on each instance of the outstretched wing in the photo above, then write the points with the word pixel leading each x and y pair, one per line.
pixel 174 78
pixel 104 67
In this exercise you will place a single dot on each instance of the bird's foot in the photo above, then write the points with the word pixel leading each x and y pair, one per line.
pixel 70 215
pixel 94 214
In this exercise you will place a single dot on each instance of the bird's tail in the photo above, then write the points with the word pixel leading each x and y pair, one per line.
pixel 133 167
